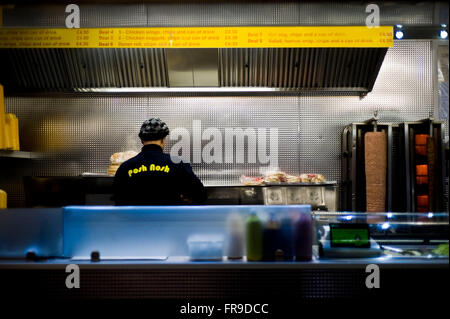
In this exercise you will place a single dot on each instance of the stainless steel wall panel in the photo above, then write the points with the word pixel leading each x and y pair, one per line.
pixel 77 134
pixel 340 13
pixel 113 15
pixel 251 13
pixel 222 14
pixel 192 67
pixel 286 13
pixel 83 131
pixel 91 15
pixel 80 133
pixel 22 16
pixel 230 112
pixel 180 67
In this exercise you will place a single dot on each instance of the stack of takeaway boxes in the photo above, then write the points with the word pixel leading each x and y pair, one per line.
pixel 9 135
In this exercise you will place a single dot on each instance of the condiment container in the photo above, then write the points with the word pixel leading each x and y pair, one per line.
pixel 287 238
pixel 271 238
pixel 303 236
pixel 235 237
pixel 205 247
pixel 254 238
pixel 2 120
pixel 3 199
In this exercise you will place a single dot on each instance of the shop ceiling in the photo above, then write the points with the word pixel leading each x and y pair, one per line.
pixel 307 70
pixel 315 69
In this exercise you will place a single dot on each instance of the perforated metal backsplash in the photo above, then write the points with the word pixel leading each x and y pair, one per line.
pixel 403 91
pixel 86 130
pixel 222 14
pixel 286 13
pixel 91 15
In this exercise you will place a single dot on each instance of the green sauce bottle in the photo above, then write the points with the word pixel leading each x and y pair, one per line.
pixel 254 238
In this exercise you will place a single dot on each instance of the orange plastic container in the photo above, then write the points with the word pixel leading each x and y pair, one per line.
pixel 422 201
pixel 422 170
pixel 421 139
pixel 421 180
pixel 421 144
pixel 421 150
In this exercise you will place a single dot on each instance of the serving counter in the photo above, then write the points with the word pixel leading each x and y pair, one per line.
pixel 97 189
pixel 178 278
pixel 144 253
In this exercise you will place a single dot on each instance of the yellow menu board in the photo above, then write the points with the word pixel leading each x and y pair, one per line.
pixel 199 37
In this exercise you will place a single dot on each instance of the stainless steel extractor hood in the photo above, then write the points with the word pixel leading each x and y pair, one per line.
pixel 192 67
pixel 308 70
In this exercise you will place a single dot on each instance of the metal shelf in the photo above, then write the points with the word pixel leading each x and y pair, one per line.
pixel 18 154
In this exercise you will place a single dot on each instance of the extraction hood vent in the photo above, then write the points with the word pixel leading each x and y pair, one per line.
pixel 326 70
pixel 192 67
pixel 67 69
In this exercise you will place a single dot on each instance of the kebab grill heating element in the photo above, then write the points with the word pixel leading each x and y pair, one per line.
pixel 353 196
pixel 410 159
pixel 402 187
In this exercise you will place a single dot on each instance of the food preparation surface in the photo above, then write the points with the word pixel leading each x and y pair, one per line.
pixel 184 262
pixel 177 278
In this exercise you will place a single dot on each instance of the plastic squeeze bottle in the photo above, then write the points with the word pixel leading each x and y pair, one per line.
pixel 2 120
pixel 236 237
pixel 254 238
pixel 287 238
pixel 271 240
pixel 3 199
pixel 303 237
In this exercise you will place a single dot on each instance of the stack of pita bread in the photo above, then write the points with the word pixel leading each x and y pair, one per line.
pixel 117 159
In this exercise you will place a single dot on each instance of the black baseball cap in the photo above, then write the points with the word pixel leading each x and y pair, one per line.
pixel 153 129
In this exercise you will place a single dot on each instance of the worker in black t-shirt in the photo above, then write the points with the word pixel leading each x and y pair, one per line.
pixel 152 177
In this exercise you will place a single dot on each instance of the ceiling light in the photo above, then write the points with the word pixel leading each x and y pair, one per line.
pixel 399 35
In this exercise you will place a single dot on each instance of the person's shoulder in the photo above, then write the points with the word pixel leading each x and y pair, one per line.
pixel 176 160
pixel 130 162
